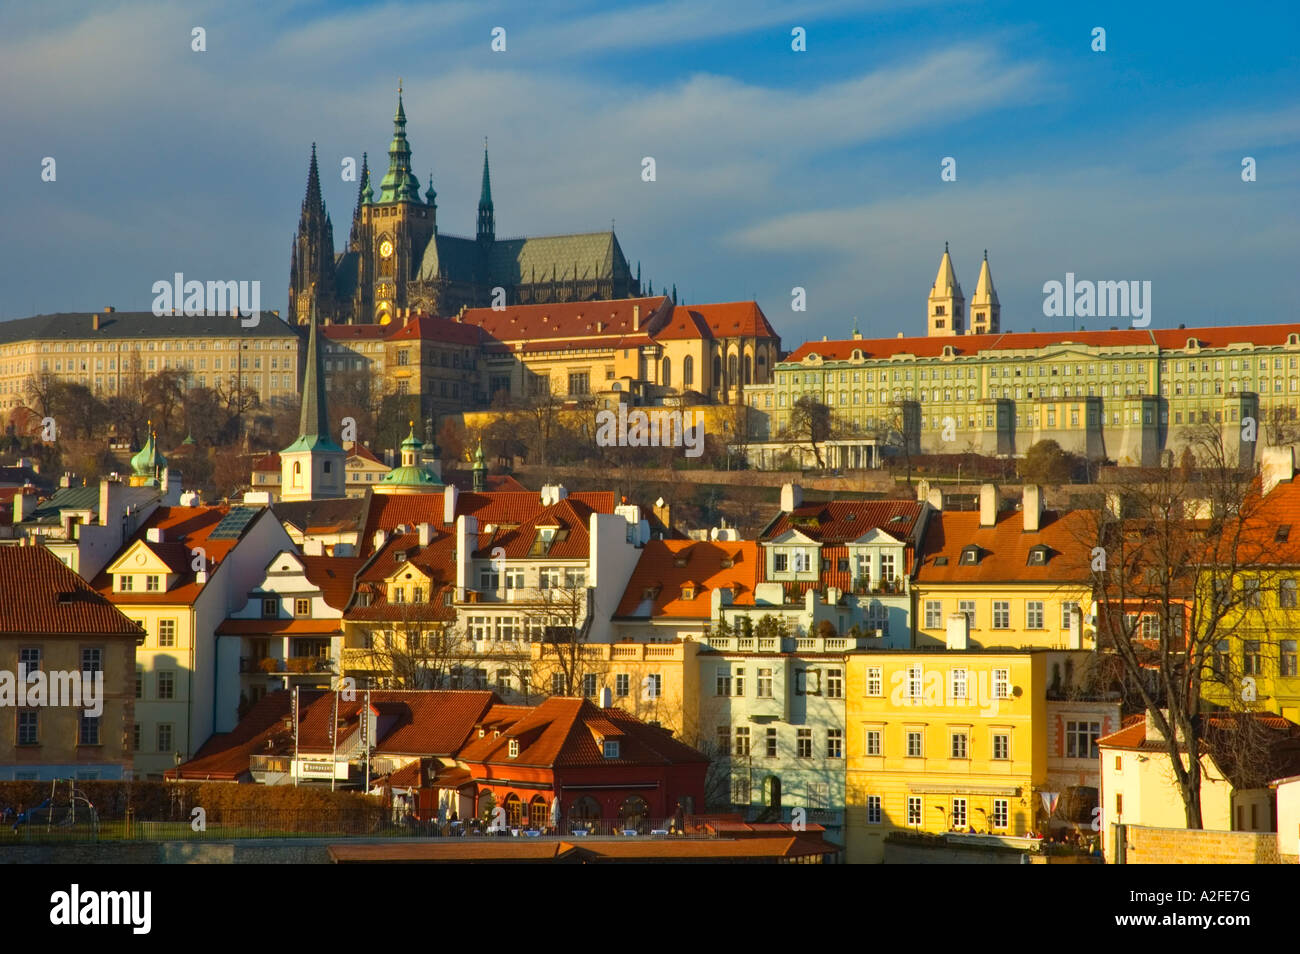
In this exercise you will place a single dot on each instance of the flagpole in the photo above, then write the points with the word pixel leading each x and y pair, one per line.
pixel 334 740
pixel 366 739
pixel 295 737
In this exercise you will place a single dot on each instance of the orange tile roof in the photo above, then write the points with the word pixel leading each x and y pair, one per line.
pixel 731 319
pixel 431 328
pixel 357 449
pixel 411 722
pixel 39 595
pixel 1004 549
pixel 333 575
pixel 561 732
pixel 354 332
pixel 658 570
pixel 568 320
pixel 572 540
pixel 1167 339
pixel 184 529
pixel 270 463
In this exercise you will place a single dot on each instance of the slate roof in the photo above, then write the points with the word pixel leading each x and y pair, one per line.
pixel 40 596
pixel 116 325
pixel 333 514
pixel 85 498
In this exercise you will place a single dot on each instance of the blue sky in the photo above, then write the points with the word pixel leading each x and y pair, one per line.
pixel 775 169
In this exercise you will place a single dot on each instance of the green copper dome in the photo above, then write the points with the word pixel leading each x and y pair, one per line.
pixel 149 462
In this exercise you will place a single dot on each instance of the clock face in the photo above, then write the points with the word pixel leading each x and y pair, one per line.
pixel 386 248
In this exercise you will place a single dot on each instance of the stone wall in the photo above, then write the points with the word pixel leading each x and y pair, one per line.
pixel 1178 846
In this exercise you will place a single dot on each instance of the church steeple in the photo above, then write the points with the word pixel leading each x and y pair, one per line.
pixel 312 262
pixel 479 469
pixel 985 311
pixel 312 467
pixel 486 215
pixel 399 183
pixel 946 306
pixel 363 188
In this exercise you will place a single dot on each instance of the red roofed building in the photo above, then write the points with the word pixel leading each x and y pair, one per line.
pixel 52 621
pixel 179 577
pixel 608 770
pixel 1125 394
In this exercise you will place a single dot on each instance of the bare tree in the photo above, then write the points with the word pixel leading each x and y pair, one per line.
pixel 1176 572
pixel 558 618
pixel 419 646
pixel 810 420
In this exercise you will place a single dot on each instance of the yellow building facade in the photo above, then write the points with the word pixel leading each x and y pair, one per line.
pixel 937 742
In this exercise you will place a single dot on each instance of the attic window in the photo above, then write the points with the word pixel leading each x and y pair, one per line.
pixel 481 733
pixel 1283 532
pixel 727 563
pixel 688 592
pixel 400 556
pixel 680 561
pixel 941 561
pixel 611 749
pixel 1037 556
pixel 970 555
pixel 514 748
pixel 649 593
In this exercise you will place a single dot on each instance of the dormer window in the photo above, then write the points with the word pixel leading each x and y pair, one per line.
pixel 688 591
pixel 270 608
pixel 727 563
pixel 970 556
pixel 514 748
pixel 125 583
pixel 1037 556
pixel 611 749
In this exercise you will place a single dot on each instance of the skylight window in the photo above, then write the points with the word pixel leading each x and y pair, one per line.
pixel 1283 532
pixel 970 555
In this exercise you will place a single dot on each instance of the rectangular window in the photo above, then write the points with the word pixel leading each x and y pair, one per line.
pixel 804 742
pixel 913 810
pixel 765 684
pixel 957 685
pixel 166 684
pixel 724 740
pixel 1001 745
pixel 873 809
pixel 771 743
pixel 1250 658
pixel 1001 813
pixel 742 740
pixel 742 793
pixel 933 614
pixel 835 743
pixel 1286 594
pixel 29 659
pixel 1081 739
pixel 151 584
pixel 166 632
pixel 958 813
pixel 834 684
pixel 914 678
pixel 125 583
pixel 28 726
pixel 740 682
pixel 1287 657
pixel 779 563
pixel 653 685
pixel 88 730
pixel 1001 683
pixel 139 682
pixel 958 747
pixel 1001 614
pixel 303 607
pixel 1067 610
pixel 873 742
pixel 92 660
pixel 622 683
pixel 874 681
pixel 967 607
pixel 589 684
pixel 557 683
pixel 164 737
pixel 915 750
pixel 723 683
pixel 1034 614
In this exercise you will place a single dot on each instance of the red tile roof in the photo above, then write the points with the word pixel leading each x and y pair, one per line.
pixel 568 320
pixel 732 319
pixel 430 328
pixel 839 521
pixel 356 449
pixel 563 731
pixel 1004 548
pixel 572 540
pixel 269 463
pixel 657 570
pixel 184 529
pixel 333 575
pixel 1167 339
pixel 40 596
pixel 354 332
pixel 414 723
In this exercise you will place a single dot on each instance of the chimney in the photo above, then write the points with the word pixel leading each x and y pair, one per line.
pixel 935 498
pixel 94 322
pixel 636 317
pixel 791 497
pixel 1277 465
pixel 988 505
pixel 23 503
pixel 958 631
pixel 109 309
pixel 606 698
pixel 154 535
pixel 426 533
pixel 313 546
pixel 1032 505
pixel 449 505
pixel 380 537
pixel 108 491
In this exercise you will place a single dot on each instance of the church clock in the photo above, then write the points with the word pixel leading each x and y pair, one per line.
pixel 386 249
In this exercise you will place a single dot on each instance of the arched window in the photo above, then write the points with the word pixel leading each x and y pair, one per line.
pixel 772 792
pixel 297 473
pixel 539 812
pixel 749 376
pixel 668 373
pixel 688 372
pixel 733 371
pixel 514 810
pixel 633 812
pixel 717 372
pixel 585 810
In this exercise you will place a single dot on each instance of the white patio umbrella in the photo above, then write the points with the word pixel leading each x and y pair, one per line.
pixel 555 812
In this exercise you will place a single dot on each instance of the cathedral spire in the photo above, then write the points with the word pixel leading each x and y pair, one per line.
pixel 399 184
pixel 946 306
pixel 486 214
pixel 985 311
pixel 314 422
pixel 363 187
pixel 313 203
